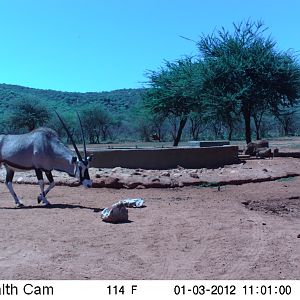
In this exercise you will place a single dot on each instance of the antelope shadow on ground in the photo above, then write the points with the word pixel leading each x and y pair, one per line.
pixel 55 206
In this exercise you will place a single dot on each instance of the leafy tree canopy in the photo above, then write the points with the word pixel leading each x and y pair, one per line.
pixel 173 91
pixel 244 71
pixel 29 114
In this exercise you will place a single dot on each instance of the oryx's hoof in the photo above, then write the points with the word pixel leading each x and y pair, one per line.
pixel 39 199
pixel 19 205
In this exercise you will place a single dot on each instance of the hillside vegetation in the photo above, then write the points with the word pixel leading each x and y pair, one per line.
pixel 118 101
pixel 128 120
pixel 106 115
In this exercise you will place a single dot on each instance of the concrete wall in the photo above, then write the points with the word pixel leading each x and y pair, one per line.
pixel 166 158
pixel 208 143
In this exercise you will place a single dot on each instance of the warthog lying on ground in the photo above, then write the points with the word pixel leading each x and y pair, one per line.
pixel 259 149
pixel 264 153
pixel 252 147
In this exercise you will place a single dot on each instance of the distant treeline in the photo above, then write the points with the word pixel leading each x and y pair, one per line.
pixel 116 116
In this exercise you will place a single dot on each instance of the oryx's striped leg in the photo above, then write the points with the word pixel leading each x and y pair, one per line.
pixel 51 182
pixel 42 196
pixel 8 181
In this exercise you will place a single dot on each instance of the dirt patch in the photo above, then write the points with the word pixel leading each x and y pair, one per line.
pixel 280 207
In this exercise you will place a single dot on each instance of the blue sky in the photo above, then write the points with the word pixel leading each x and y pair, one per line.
pixel 90 45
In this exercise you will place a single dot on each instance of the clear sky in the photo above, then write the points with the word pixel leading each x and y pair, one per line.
pixel 102 45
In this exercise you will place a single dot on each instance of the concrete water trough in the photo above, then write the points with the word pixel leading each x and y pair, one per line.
pixel 166 158
pixel 208 143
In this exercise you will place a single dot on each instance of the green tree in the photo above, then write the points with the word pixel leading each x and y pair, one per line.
pixel 28 114
pixel 172 93
pixel 245 69
pixel 71 120
pixel 258 111
pixel 145 122
pixel 198 123
pixel 287 120
pixel 96 121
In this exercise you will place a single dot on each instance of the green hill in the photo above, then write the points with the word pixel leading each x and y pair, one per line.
pixel 117 102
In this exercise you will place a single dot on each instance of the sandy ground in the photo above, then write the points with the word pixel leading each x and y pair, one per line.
pixel 249 231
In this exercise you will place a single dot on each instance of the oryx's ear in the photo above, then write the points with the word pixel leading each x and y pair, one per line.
pixel 74 159
pixel 90 157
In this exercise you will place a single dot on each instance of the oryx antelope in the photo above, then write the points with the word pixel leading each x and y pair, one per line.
pixel 42 151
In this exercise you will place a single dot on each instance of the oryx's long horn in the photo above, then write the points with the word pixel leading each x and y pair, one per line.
pixel 82 134
pixel 69 135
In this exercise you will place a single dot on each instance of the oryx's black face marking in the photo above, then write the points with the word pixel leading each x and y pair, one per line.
pixel 82 173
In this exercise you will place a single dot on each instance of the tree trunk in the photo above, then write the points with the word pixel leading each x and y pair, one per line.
pixel 257 128
pixel 195 134
pixel 104 130
pixel 257 123
pixel 286 129
pixel 257 131
pixel 247 119
pixel 97 139
pixel 195 127
pixel 230 131
pixel 179 132
pixel 230 128
pixel 195 130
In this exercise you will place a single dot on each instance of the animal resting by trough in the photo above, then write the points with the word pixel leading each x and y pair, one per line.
pixel 260 149
pixel 42 151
